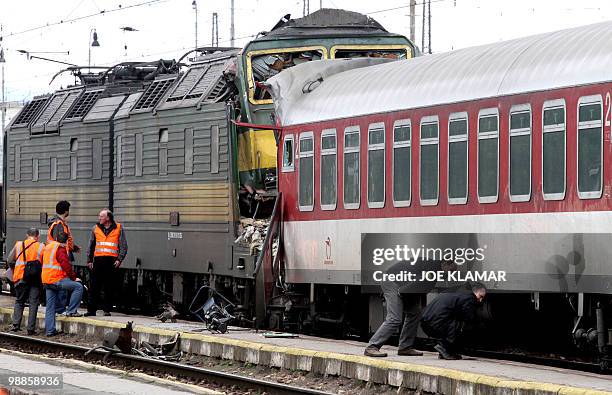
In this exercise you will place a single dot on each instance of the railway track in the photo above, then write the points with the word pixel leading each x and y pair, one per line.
pixel 149 365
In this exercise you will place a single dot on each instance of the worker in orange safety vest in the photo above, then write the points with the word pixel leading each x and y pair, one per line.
pixel 106 251
pixel 59 225
pixel 57 277
pixel 26 253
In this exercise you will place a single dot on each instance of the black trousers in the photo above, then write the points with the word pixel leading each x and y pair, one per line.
pixel 102 280
pixel 26 293
pixel 448 335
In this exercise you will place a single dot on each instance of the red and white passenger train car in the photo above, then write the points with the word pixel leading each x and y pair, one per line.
pixel 512 137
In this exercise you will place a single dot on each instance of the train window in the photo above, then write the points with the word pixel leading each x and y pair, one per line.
pixel 138 155
pixel 53 169
pixel 488 155
pixel 306 170
pixel 163 152
pixel 188 152
pixel 288 154
pixel 73 166
pixel 393 51
pixel 520 153
pixel 214 149
pixel 351 168
pixel 458 158
pixel 329 170
pixel 35 169
pixel 553 150
pixel 264 64
pixel 429 161
pixel 590 147
pixel 402 167
pixel 119 165
pixel 96 158
pixel 17 175
pixel 74 148
pixel 376 165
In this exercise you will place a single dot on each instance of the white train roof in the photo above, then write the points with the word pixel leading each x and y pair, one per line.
pixel 351 88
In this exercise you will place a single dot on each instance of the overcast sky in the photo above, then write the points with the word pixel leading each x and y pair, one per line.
pixel 166 28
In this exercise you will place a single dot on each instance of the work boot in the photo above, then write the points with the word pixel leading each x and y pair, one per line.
pixel 444 354
pixel 14 328
pixel 32 332
pixel 409 352
pixel 373 351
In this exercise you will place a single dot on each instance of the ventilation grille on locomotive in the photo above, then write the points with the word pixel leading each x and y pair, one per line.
pixel 197 82
pixel 85 103
pixel 48 121
pixel 217 92
pixel 153 94
pixel 30 111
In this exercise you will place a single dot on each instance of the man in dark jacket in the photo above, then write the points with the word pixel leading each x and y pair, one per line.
pixel 446 315
pixel 403 302
pixel 106 251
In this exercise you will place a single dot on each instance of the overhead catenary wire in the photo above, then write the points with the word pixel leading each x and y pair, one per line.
pixel 82 17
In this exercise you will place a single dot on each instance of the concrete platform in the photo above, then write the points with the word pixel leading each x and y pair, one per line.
pixel 345 358
pixel 80 378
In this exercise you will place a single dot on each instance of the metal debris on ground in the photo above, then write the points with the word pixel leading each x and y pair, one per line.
pixel 169 313
pixel 121 341
pixel 212 308
pixel 170 351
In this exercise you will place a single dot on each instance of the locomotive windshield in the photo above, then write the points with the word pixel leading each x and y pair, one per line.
pixel 269 64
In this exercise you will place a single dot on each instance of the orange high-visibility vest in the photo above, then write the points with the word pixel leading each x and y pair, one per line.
pixel 69 242
pixel 52 271
pixel 107 245
pixel 33 252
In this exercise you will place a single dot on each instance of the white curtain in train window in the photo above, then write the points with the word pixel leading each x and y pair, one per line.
pixel 402 163
pixel 590 135
pixel 520 153
pixel 351 168
pixel 458 158
pixel 376 165
pixel 329 170
pixel 488 155
pixel 553 150
pixel 429 160
pixel 306 170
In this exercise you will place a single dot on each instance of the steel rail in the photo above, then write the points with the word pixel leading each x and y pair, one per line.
pixel 149 364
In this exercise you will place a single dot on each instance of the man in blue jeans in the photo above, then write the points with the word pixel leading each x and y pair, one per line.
pixel 58 277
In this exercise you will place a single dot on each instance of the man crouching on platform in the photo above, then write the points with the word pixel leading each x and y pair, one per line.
pixel 404 300
pixel 57 276
pixel 445 317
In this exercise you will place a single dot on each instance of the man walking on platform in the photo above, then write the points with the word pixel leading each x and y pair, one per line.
pixel 58 276
pixel 106 251
pixel 27 253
